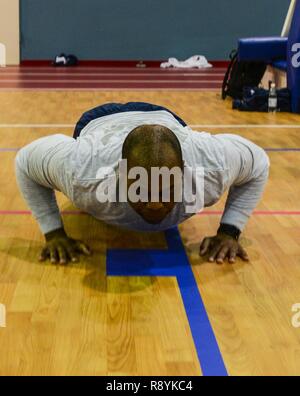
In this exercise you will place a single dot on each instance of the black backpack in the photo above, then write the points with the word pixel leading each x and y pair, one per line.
pixel 241 74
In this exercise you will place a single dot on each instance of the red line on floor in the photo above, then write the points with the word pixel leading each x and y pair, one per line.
pixel 256 213
pixel 108 85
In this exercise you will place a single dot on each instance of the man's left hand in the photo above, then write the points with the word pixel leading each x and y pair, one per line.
pixel 222 246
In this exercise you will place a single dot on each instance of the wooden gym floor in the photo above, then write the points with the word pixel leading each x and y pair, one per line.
pixel 77 320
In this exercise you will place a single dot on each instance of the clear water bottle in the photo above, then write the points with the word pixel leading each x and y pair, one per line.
pixel 272 104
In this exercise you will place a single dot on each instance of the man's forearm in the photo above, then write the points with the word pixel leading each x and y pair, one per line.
pixel 41 200
pixel 242 200
pixel 41 168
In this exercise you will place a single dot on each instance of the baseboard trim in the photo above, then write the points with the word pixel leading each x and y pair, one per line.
pixel 113 63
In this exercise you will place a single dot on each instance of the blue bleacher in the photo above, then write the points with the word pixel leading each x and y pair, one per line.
pixel 278 52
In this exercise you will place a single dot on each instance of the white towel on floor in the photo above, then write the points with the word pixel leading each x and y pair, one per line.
pixel 197 61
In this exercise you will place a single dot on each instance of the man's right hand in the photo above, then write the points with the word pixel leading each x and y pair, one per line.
pixel 61 249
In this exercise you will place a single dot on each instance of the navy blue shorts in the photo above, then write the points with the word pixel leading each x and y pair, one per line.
pixel 113 108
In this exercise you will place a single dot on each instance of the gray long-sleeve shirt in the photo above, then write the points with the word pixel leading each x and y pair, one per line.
pixel 59 162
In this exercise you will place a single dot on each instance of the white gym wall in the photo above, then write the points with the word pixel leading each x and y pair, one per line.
pixel 9 32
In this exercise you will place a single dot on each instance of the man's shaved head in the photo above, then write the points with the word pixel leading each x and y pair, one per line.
pixel 153 146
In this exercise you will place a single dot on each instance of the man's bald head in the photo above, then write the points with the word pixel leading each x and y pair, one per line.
pixel 152 146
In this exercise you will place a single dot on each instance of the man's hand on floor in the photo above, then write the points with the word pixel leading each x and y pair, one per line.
pixel 222 246
pixel 62 249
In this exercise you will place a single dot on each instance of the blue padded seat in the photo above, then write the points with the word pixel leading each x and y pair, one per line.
pixel 280 64
pixel 265 49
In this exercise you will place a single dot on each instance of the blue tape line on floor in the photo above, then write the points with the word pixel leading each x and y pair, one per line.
pixel 174 262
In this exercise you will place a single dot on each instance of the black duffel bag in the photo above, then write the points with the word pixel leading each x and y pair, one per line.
pixel 257 99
